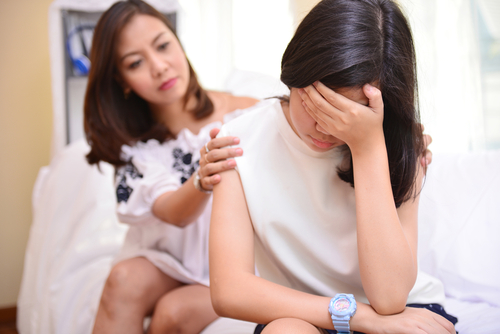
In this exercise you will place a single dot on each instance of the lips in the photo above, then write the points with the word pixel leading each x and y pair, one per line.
pixel 168 84
pixel 321 144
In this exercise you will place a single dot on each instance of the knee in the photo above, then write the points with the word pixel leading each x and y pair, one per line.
pixel 122 285
pixel 170 316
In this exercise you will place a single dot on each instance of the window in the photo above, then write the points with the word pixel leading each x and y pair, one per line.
pixel 487 19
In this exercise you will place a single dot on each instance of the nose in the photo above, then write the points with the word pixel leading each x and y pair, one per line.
pixel 158 65
pixel 321 129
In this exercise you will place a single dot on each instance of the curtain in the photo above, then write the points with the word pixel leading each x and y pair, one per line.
pixel 223 36
pixel 449 73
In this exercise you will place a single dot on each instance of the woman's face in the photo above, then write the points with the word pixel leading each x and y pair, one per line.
pixel 311 133
pixel 151 62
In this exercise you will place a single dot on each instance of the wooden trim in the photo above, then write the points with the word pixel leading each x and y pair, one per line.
pixel 8 314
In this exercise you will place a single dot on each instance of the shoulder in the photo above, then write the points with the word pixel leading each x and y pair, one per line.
pixel 225 103
pixel 240 102
pixel 250 120
pixel 151 150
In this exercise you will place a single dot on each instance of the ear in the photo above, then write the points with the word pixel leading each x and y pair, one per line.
pixel 126 88
pixel 121 82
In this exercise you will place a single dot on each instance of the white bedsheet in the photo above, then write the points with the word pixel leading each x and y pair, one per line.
pixel 474 318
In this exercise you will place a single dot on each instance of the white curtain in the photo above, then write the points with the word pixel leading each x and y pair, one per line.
pixel 221 36
pixel 449 73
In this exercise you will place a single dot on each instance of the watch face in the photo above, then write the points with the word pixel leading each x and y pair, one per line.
pixel 341 304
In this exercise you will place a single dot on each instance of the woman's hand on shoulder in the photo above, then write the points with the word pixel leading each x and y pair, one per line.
pixel 426 158
pixel 354 116
pixel 215 158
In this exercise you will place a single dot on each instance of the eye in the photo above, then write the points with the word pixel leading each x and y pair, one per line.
pixel 135 64
pixel 163 46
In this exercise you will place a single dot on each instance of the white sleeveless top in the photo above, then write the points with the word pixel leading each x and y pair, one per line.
pixel 303 215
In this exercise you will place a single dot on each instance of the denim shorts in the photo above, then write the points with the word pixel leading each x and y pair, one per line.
pixel 436 308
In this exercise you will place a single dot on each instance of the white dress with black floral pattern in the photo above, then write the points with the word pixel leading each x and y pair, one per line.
pixel 152 169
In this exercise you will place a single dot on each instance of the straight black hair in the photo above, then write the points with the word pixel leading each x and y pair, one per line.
pixel 349 43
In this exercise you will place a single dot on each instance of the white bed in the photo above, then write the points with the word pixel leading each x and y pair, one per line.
pixel 75 235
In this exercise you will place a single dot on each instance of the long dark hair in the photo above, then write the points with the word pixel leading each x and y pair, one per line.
pixel 348 43
pixel 110 119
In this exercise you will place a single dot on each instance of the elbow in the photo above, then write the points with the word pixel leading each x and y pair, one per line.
pixel 222 303
pixel 226 297
pixel 178 221
pixel 391 304
pixel 181 222
pixel 220 307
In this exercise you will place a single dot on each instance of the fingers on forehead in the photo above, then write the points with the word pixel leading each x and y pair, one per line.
pixel 334 98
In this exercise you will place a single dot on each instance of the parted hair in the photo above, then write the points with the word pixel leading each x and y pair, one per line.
pixel 110 119
pixel 349 43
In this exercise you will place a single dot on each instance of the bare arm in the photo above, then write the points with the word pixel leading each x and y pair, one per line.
pixel 387 238
pixel 184 205
pixel 237 293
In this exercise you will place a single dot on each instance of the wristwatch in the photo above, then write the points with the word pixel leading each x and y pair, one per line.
pixel 197 183
pixel 342 307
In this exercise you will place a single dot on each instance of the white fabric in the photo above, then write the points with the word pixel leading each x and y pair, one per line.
pixel 474 318
pixel 217 37
pixel 449 72
pixel 303 215
pixel 459 219
pixel 74 236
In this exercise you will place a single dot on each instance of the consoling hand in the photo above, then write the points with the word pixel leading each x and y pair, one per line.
pixel 426 157
pixel 213 158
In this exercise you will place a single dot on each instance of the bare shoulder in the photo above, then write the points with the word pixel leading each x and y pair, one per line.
pixel 225 102
pixel 240 102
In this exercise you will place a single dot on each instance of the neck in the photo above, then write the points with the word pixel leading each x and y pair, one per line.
pixel 175 116
pixel 286 111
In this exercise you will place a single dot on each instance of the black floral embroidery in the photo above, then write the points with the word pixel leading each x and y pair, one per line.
pixel 184 163
pixel 123 190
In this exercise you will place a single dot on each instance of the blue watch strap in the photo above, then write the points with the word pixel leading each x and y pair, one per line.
pixel 341 326
pixel 341 308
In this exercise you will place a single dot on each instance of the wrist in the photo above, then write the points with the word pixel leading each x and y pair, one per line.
pixel 373 145
pixel 341 308
pixel 366 320
pixel 197 183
